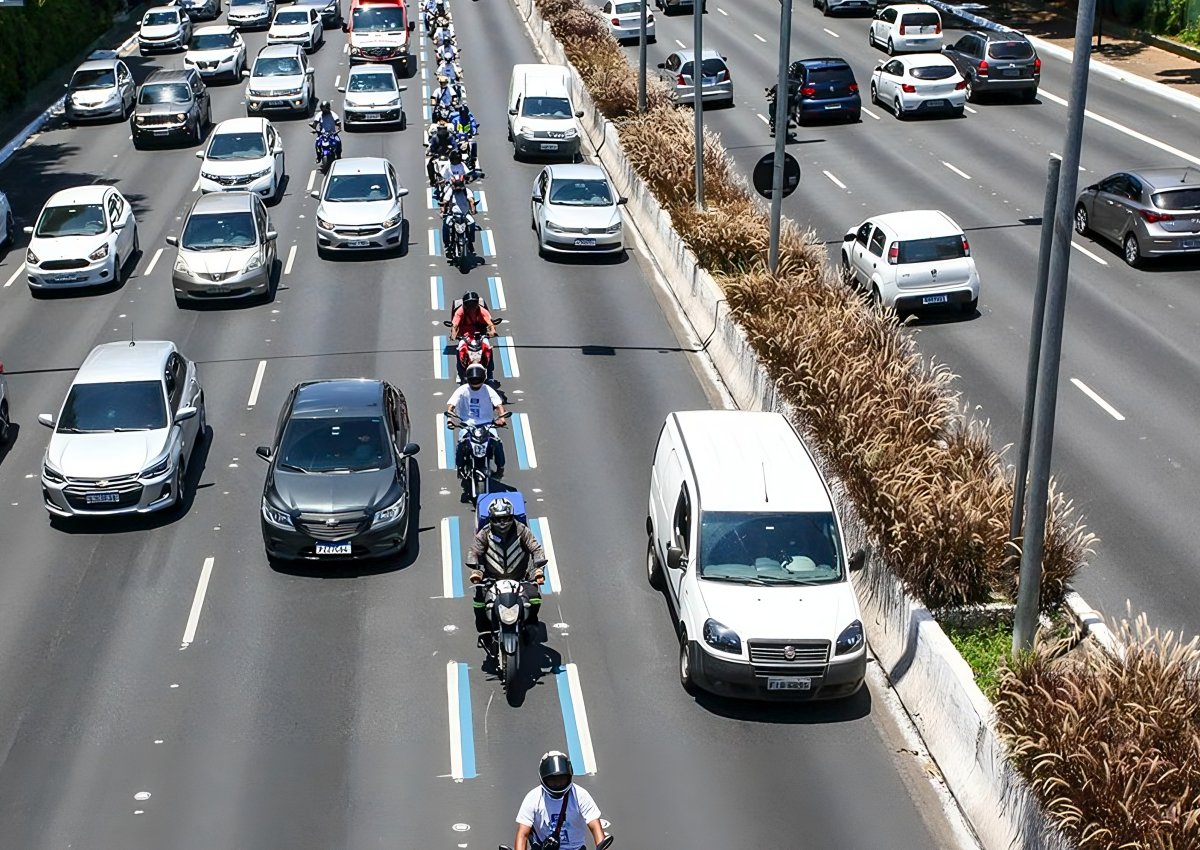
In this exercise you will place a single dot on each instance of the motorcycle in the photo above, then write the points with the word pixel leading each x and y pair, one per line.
pixel 458 248
pixel 476 472
pixel 435 165
pixel 473 347
pixel 326 147
pixel 468 157
pixel 546 845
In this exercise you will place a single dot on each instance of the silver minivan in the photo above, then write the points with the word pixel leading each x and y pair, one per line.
pixel 226 249
pixel 717 84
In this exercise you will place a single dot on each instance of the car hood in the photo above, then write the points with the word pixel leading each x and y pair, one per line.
pixel 235 167
pixel 358 212
pixel 272 84
pixel 593 218
pixel 107 455
pixel 161 108
pixel 66 247
pixel 218 262
pixel 218 54
pixel 333 491
pixel 781 613
pixel 159 30
pixel 288 30
pixel 94 97
pixel 371 98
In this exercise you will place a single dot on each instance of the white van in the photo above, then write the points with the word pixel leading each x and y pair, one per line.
pixel 745 539
pixel 542 121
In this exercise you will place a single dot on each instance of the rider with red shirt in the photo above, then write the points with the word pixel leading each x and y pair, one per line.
pixel 469 319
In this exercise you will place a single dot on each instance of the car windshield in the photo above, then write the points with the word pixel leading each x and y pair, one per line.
pixel 292 16
pixel 218 232
pixel 711 68
pixel 237 146
pixel 628 8
pixel 931 250
pixel 1177 199
pixel 158 19
pixel 580 193
pixel 165 93
pixel 77 220
pixel 247 2
pixel 95 78
pixel 377 19
pixel 358 187
pixel 769 548
pixel 123 406
pixel 373 81
pixel 276 66
pixel 932 72
pixel 212 41
pixel 546 107
pixel 1010 50
pixel 334 445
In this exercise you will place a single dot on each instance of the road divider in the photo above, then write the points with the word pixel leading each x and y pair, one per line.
pixel 193 620
pixel 575 720
pixel 540 526
pixel 462 735
pixel 452 579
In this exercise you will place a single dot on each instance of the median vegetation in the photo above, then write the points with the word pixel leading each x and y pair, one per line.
pixel 1112 747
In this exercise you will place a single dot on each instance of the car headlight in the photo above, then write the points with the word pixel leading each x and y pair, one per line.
pixel 255 263
pixel 356 51
pixel 613 228
pixel 720 637
pixel 262 173
pixel 182 266
pixel 553 228
pixel 323 224
pixel 208 176
pixel 276 517
pixel 100 253
pixel 180 116
pixel 51 474
pixel 395 101
pixel 141 119
pixel 570 134
pixel 389 514
pixel 509 614
pixel 158 468
pixel 851 638
pixel 31 258
pixel 392 222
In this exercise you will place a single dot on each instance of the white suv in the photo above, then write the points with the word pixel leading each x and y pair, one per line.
pixel 281 81
pixel 912 260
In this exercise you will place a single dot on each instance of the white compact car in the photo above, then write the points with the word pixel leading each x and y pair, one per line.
pixel 574 209
pixel 164 28
pixel 372 97
pixel 906 28
pixel 83 237
pixel 919 84
pixel 297 25
pixel 624 19
pixel 912 260
pixel 361 207
pixel 126 432
pixel 243 154
pixel 217 52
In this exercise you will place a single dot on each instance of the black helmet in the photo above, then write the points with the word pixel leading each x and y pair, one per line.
pixel 555 772
pixel 443 133
pixel 500 514
pixel 326 106
pixel 455 157
pixel 470 297
pixel 476 375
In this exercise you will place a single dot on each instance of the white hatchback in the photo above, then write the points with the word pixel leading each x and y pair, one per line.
pixel 372 96
pixel 243 154
pixel 299 25
pixel 912 260
pixel 919 84
pixel 83 237
pixel 906 28
pixel 624 19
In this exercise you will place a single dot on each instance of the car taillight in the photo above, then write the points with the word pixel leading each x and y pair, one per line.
pixel 723 77
pixel 616 22
pixel 680 81
pixel 853 88
pixel 902 29
pixel 908 88
pixel 960 85
pixel 982 69
pixel 1155 218
pixel 1037 66
pixel 966 247
pixel 808 91
pixel 937 28
pixel 894 254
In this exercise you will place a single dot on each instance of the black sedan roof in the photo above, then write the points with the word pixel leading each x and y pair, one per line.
pixel 339 397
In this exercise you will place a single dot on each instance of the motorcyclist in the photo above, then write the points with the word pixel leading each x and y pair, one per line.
pixel 444 95
pixel 475 403
pixel 446 50
pixel 327 121
pixel 456 199
pixel 470 318
pixel 558 798
pixel 439 144
pixel 456 168
pixel 453 73
pixel 466 127
pixel 505 548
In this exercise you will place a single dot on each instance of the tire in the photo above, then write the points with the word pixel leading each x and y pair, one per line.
pixel 685 665
pixel 1131 252
pixel 179 485
pixel 1030 95
pixel 201 430
pixel 403 120
pixel 5 423
pixel 971 93
pixel 960 113
pixel 876 297
pixel 899 108
pixel 847 272
pixel 654 572
pixel 198 132
pixel 137 142
pixel 512 663
pixel 891 48
pixel 870 37
pixel 874 94
pixel 1082 223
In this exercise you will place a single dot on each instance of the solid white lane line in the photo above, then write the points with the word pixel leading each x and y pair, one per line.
pixel 869 113
pixel 153 262
pixel 760 38
pixel 196 185
pixel 312 178
pixel 287 269
pixel 831 32
pixel 552 576
pixel 1089 254
pixel 682 46
pixel 433 292
pixel 257 385
pixel 1094 396
pixel 1121 128
pixel 189 632
pixel 581 721
pixel 956 170
pixel 836 182
pixel 20 268
pixel 439 358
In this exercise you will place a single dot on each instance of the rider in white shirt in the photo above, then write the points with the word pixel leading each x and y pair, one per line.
pixel 475 403
pixel 542 806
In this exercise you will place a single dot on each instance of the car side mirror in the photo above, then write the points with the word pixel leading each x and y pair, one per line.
pixel 199 154
pixel 578 113
pixel 245 72
pixel 345 27
pixel 849 237
pixel 622 201
pixel 410 449
pixel 185 413
pixel 675 559
pixel 341 89
pixel 402 88
pixel 308 72
pixel 172 240
pixel 401 192
pixel 264 452
pixel 858 560
pixel 661 65
pixel 412 25
pixel 512 112
pixel 315 193
pixel 27 230
pixel 537 197
pixel 878 65
pixel 272 235
pixel 46 419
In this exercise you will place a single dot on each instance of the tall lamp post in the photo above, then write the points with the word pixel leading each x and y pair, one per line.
pixel 697 98
pixel 782 96
pixel 642 60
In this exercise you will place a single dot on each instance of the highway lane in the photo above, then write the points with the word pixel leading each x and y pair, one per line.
pixel 310 707
pixel 1127 331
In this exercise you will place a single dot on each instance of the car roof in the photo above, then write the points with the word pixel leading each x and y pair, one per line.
pixel 924 60
pixel 372 68
pixel 98 64
pixel 912 7
pixel 1168 177
pixel 143 360
pixel 339 397
pixel 215 29
pixel 91 194
pixel 360 165
pixel 580 171
pixel 223 202
pixel 272 50
pixel 999 35
pixel 164 9
pixel 241 125
pixel 168 75
pixel 917 224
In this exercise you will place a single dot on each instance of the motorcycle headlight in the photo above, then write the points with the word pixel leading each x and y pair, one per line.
pixel 51 474
pixel 100 253
pixel 389 514
pixel 721 637
pixel 255 263
pixel 276 517
pixel 851 638
pixel 31 258
pixel 158 468
pixel 323 224
pixel 508 614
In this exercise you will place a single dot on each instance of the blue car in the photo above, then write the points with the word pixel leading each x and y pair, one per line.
pixel 823 89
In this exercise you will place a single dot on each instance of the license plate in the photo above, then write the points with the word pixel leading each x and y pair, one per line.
pixel 1011 72
pixel 935 299
pixel 833 106
pixel 334 548
pixel 68 278
pixel 935 104
pixel 710 81
pixel 1191 243
pixel 358 243
pixel 789 683
pixel 101 498
pixel 585 243
pixel 160 132
pixel 548 146
pixel 372 116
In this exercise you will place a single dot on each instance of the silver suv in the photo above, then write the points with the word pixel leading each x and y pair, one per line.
pixel 281 81
pixel 126 432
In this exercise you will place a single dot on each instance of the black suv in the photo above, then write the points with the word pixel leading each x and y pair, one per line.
pixel 997 62
pixel 171 105
pixel 822 89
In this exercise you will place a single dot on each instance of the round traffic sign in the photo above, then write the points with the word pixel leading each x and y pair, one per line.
pixel 764 174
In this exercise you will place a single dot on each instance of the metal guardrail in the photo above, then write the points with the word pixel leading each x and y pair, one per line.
pixel 967 12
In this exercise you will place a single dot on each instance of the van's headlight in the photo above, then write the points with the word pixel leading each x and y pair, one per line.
pixel 721 637
pixel 100 253
pixel 570 133
pixel 389 514
pixel 851 638
pixel 276 517
pixel 158 468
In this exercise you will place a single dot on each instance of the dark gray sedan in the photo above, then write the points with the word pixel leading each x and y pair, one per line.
pixel 997 62
pixel 1154 212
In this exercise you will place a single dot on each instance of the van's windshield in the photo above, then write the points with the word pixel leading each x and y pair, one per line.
pixel 769 548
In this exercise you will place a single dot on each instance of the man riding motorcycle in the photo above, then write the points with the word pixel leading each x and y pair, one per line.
pixel 475 403
pixel 457 199
pixel 558 809
pixel 505 548
pixel 440 144
pixel 328 122
pixel 465 127
pixel 445 95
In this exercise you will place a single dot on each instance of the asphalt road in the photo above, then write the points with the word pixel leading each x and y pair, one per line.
pixel 347 708
pixel 1130 334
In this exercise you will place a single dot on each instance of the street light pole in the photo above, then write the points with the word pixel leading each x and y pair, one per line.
pixel 781 131
pixel 697 98
pixel 1029 589
pixel 642 62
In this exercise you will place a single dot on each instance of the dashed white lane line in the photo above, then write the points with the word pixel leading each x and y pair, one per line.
pixel 189 632
pixel 870 114
pixel 441 440
pixel 257 385
pixel 1094 396
pixel 196 185
pixel 722 11
pixel 1089 254
pixel 287 269
pixel 17 273
pixel 831 32
pixel 763 118
pixel 969 109
pixel 1121 128
pixel 1058 156
pixel 836 182
pixel 957 170
pixel 682 46
pixel 552 577
pixel 312 178
pixel 153 262
pixel 345 49
pixel 760 38
pixel 337 81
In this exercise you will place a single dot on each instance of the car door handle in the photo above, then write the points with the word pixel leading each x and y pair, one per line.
pixel 1110 203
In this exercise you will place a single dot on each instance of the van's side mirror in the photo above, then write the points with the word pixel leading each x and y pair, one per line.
pixel 264 452
pixel 578 113
pixel 858 560
pixel 675 559
pixel 185 413
pixel 401 88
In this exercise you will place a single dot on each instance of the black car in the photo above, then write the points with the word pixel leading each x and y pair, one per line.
pixel 171 104
pixel 823 89
pixel 1002 61
pixel 338 486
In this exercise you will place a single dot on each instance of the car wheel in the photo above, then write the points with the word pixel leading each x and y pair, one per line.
pixel 899 107
pixel 179 484
pixel 825 9
pixel 1132 253
pixel 847 272
pixel 5 423
pixel 198 132
pixel 685 665
pixel 874 94
pixel 201 430
pixel 870 36
pixel 403 120
pixel 876 297
pixel 654 573
pixel 891 48
pixel 1082 225
pixel 970 90
pixel 1029 95
pixel 137 142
